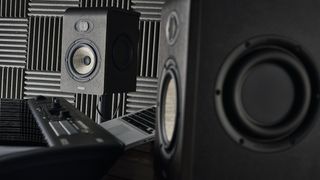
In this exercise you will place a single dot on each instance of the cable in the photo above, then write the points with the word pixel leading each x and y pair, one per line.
pixel 114 113
pixel 100 114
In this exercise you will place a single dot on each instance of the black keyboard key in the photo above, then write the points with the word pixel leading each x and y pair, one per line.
pixel 153 110
pixel 137 124
pixel 150 113
pixel 57 128
pixel 142 120
pixel 68 127
pixel 150 120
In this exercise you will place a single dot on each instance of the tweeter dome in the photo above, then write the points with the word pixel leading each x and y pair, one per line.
pixel 99 50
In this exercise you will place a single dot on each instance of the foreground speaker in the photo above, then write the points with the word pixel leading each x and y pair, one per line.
pixel 246 93
pixel 99 50
pixel 171 109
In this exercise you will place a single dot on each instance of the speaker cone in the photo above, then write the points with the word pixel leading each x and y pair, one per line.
pixel 168 107
pixel 264 93
pixel 82 60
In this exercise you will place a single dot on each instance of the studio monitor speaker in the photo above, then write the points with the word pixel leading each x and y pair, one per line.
pixel 239 94
pixel 99 50
pixel 171 111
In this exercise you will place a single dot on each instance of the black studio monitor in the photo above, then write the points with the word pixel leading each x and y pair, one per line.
pixel 239 93
pixel 99 50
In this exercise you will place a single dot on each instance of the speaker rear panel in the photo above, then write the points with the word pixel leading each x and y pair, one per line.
pixel 224 27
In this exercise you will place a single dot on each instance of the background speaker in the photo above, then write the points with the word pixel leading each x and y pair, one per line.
pixel 99 50
pixel 249 93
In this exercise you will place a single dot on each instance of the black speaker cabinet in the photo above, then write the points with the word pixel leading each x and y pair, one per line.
pixel 172 101
pixel 245 99
pixel 99 50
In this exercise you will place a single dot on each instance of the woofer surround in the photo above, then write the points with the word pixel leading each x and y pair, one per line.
pixel 264 94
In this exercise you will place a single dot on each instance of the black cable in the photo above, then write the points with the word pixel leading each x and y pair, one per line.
pixel 113 115
pixel 100 114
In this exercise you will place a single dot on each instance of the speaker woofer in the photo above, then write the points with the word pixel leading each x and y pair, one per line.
pixel 168 109
pixel 264 93
pixel 169 106
pixel 82 60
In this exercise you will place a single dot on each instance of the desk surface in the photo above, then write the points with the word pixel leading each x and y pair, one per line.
pixel 135 164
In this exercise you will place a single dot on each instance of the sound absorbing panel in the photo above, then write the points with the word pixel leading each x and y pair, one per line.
pixel 50 7
pixel 45 83
pixel 13 8
pixel 145 95
pixel 13 42
pixel 122 4
pixel 150 10
pixel 44 43
pixel 11 82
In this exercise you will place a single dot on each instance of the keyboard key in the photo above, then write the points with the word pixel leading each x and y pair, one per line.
pixel 57 128
pixel 142 120
pixel 150 117
pixel 68 127
pixel 137 124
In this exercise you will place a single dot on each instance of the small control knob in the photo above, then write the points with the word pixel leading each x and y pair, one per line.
pixel 54 112
pixel 55 107
pixel 40 98
pixel 64 114
pixel 56 103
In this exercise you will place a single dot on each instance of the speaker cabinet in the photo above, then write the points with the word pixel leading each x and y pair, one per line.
pixel 248 101
pixel 173 54
pixel 99 50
